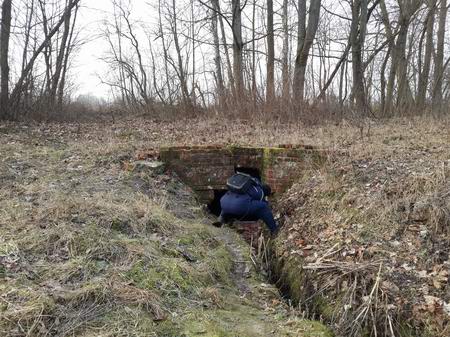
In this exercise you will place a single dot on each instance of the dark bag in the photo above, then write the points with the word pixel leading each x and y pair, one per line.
pixel 240 183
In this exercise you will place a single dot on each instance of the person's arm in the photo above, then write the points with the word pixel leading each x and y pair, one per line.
pixel 256 192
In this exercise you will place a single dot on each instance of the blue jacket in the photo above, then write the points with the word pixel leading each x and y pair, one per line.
pixel 238 204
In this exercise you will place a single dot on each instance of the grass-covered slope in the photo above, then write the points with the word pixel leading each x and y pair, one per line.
pixel 366 240
pixel 91 247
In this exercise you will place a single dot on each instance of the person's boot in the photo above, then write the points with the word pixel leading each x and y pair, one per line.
pixel 220 222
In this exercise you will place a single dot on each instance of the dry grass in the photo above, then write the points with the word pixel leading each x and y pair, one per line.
pixel 74 221
pixel 370 232
pixel 89 247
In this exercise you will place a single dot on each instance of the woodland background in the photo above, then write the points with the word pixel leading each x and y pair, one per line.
pixel 315 60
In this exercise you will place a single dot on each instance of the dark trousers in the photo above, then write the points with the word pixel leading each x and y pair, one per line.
pixel 252 210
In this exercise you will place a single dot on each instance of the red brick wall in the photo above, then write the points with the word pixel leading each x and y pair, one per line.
pixel 207 168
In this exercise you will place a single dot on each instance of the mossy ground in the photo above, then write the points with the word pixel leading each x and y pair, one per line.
pixel 88 247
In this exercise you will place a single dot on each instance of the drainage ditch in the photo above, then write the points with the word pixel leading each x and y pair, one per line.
pixel 214 205
pixel 206 169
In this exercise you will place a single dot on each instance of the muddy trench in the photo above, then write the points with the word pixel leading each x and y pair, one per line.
pixel 257 236
pixel 273 267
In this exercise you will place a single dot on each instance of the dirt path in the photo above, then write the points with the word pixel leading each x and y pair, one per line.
pixel 241 265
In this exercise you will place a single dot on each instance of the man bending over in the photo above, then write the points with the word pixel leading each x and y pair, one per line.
pixel 246 200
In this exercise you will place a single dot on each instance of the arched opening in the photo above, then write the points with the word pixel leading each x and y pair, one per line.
pixel 214 205
pixel 254 172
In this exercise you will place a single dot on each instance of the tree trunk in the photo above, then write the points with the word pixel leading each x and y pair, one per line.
pixel 357 37
pixel 28 28
pixel 400 60
pixel 299 69
pixel 181 73
pixel 62 82
pixel 388 93
pixel 225 47
pixel 63 49
pixel 270 53
pixel 193 78
pixel 285 53
pixel 165 53
pixel 254 90
pixel 47 51
pixel 217 58
pixel 237 49
pixel 383 80
pixel 5 32
pixel 439 60
pixel 305 40
pixel 404 95
pixel 424 73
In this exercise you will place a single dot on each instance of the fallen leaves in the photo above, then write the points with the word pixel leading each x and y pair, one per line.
pixel 433 305
pixel 439 276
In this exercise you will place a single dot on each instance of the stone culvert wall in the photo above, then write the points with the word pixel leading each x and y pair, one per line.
pixel 206 169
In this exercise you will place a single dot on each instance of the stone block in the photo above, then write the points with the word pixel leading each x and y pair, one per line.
pixel 208 175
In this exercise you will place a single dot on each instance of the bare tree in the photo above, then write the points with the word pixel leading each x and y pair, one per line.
pixel 225 46
pixel 439 60
pixel 238 47
pixel 5 33
pixel 19 86
pixel 161 34
pixel 305 40
pixel 357 37
pixel 270 53
pixel 64 50
pixel 285 52
pixel 425 71
pixel 180 67
pixel 65 64
pixel 383 63
pixel 253 70
pixel 127 57
pixel 404 95
pixel 217 57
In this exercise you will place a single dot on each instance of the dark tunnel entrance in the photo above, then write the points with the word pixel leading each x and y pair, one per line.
pixel 214 205
pixel 254 172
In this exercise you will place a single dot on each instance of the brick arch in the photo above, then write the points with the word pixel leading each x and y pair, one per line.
pixel 206 168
